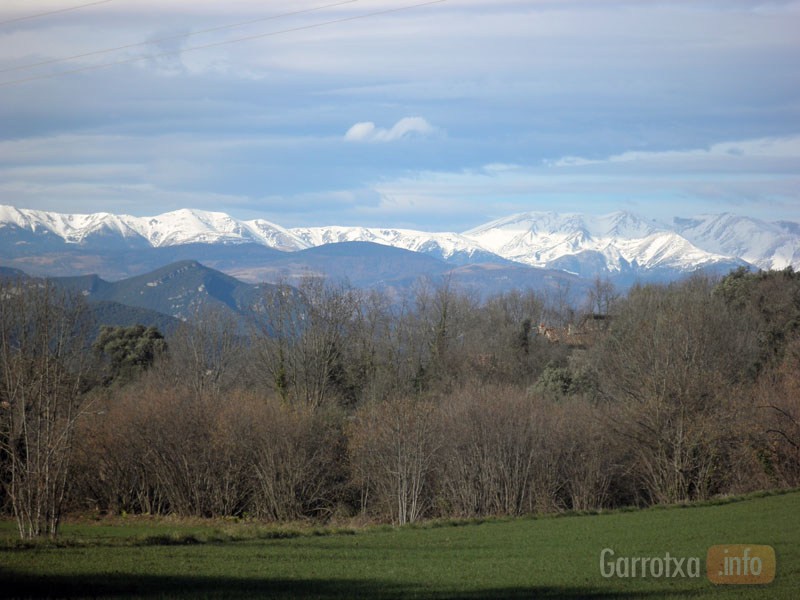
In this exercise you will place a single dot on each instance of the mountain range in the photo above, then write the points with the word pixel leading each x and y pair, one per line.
pixel 185 290
pixel 163 298
pixel 543 248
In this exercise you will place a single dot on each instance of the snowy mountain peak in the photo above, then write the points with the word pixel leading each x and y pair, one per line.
pixel 618 239
pixel 616 224
pixel 184 226
pixel 625 224
pixel 451 247
pixel 619 242
pixel 765 245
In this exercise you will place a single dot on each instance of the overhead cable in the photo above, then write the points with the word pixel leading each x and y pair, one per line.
pixel 53 12
pixel 222 43
pixel 172 37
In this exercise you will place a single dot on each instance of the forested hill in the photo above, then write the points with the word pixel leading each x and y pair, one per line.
pixel 178 292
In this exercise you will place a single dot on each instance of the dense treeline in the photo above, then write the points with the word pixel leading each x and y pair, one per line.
pixel 345 404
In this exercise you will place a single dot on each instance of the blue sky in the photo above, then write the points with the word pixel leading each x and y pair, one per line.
pixel 439 117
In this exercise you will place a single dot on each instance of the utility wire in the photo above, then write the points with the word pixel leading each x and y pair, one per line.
pixel 173 37
pixel 54 12
pixel 222 43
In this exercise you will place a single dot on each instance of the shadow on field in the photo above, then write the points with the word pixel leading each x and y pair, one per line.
pixel 16 585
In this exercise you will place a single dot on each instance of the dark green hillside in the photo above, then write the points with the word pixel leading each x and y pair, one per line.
pixel 121 315
pixel 103 312
pixel 87 285
pixel 179 290
pixel 161 298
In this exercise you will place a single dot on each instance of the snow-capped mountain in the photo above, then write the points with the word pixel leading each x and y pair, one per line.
pixel 616 242
pixel 195 226
pixel 450 247
pixel 621 244
pixel 765 245
pixel 169 229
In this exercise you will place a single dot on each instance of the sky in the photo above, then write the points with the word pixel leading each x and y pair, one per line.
pixel 434 116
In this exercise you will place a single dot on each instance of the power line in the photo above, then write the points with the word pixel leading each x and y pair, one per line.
pixel 173 37
pixel 54 12
pixel 222 43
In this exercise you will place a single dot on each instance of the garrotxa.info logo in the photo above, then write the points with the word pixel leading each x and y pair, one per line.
pixel 728 564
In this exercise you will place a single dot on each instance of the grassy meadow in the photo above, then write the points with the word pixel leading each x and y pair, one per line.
pixel 556 557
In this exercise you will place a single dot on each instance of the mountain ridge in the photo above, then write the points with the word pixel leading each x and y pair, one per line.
pixel 183 226
pixel 618 244
pixel 179 290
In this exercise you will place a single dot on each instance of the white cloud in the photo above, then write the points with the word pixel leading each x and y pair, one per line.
pixel 360 132
pixel 407 127
pixel 756 176
pixel 754 152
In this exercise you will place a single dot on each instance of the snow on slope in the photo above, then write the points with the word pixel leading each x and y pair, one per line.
pixel 275 236
pixel 169 229
pixel 195 226
pixel 447 246
pixel 189 226
pixel 766 245
pixel 617 242
pixel 538 239
pixel 71 228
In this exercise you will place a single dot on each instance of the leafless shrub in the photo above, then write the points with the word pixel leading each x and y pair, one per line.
pixel 670 366
pixel 43 372
pixel 297 461
pixel 393 446
pixel 778 419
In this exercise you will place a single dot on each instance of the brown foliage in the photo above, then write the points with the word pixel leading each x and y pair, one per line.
pixel 393 446
pixel 166 451
pixel 494 460
pixel 778 403
pixel 670 366
pixel 43 375
pixel 297 461
pixel 443 406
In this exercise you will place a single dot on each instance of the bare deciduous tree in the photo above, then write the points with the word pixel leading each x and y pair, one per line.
pixel 206 354
pixel 43 346
pixel 297 461
pixel 302 339
pixel 393 446
pixel 669 364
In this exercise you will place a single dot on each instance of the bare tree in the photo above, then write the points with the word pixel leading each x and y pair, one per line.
pixel 43 349
pixel 588 453
pixel 778 419
pixel 302 337
pixel 501 345
pixel 206 354
pixel 393 446
pixel 440 319
pixel 297 462
pixel 500 454
pixel 114 451
pixel 669 364
pixel 602 298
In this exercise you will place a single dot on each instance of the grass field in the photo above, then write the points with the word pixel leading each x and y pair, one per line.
pixel 553 557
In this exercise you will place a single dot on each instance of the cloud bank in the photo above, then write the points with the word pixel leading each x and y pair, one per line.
pixel 506 106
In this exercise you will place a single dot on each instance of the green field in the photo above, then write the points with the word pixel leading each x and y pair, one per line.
pixel 554 557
